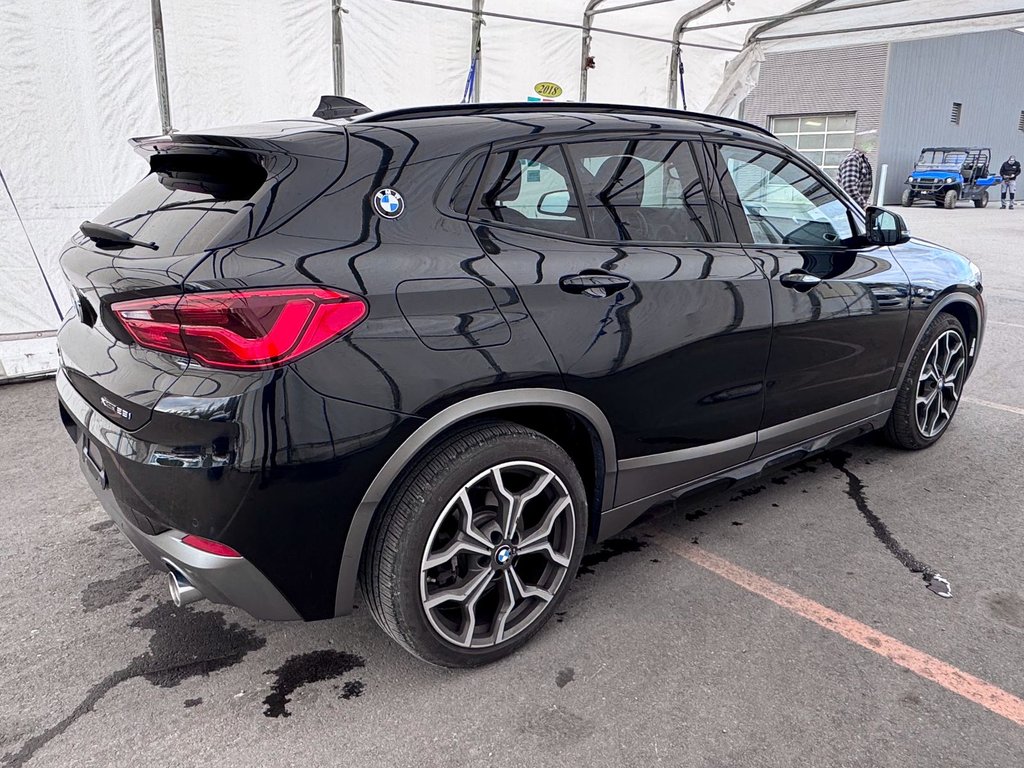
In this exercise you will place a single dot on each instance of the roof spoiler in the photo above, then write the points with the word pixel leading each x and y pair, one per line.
pixel 332 107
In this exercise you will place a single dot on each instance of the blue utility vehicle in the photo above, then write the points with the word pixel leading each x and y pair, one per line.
pixel 946 175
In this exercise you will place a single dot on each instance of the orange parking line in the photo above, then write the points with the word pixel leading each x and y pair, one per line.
pixel 949 677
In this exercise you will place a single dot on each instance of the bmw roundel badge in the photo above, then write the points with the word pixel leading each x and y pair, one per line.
pixel 388 203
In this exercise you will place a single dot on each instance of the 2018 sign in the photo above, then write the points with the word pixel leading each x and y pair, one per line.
pixel 548 90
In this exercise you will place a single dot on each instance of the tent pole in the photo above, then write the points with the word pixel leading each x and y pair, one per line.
pixel 478 21
pixel 588 22
pixel 337 47
pixel 163 91
pixel 675 59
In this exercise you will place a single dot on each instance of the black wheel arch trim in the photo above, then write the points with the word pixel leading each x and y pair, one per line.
pixel 409 450
pixel 944 301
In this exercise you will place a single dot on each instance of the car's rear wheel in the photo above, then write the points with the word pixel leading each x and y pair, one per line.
pixel 930 393
pixel 949 201
pixel 477 545
pixel 908 198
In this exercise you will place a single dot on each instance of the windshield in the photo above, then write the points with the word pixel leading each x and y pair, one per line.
pixel 936 158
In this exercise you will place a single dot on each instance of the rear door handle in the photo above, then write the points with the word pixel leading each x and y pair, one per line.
pixel 799 281
pixel 596 284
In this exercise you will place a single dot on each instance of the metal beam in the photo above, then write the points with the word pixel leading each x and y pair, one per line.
pixel 814 6
pixel 797 14
pixel 588 22
pixel 565 25
pixel 636 4
pixel 676 57
pixel 338 47
pixel 475 48
pixel 895 25
pixel 163 91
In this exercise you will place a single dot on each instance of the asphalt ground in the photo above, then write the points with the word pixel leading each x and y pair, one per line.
pixel 771 626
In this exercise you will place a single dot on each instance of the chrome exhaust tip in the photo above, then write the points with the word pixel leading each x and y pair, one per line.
pixel 182 590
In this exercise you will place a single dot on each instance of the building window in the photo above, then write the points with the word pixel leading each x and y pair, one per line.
pixel 825 140
pixel 958 109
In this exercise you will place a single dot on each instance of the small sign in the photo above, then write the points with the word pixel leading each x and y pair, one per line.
pixel 548 90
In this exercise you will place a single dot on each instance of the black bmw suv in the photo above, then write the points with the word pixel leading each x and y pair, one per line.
pixel 435 351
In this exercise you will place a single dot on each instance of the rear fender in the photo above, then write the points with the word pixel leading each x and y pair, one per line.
pixel 427 432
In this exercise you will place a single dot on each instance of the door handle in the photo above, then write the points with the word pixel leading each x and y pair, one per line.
pixel 596 284
pixel 799 281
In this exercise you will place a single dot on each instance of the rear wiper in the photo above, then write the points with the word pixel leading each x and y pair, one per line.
pixel 111 237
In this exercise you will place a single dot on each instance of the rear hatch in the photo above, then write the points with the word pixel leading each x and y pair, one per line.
pixel 203 192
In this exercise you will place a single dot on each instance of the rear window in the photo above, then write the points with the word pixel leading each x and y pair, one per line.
pixel 185 201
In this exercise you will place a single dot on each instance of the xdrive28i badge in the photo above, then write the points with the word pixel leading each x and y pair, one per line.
pixel 388 203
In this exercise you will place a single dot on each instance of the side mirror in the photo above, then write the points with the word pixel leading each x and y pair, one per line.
pixel 554 203
pixel 886 227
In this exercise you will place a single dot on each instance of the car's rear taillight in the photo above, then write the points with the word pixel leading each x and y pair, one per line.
pixel 251 329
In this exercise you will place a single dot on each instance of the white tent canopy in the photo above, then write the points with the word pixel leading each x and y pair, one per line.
pixel 78 77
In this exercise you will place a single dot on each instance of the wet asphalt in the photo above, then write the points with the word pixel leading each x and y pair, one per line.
pixel 652 660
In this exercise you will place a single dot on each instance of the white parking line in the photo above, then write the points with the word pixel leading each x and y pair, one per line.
pixel 997 406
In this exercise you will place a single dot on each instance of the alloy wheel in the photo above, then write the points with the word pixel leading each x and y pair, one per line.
pixel 498 554
pixel 940 383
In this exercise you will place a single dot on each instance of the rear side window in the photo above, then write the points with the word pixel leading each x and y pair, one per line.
pixel 530 189
pixel 185 201
pixel 646 190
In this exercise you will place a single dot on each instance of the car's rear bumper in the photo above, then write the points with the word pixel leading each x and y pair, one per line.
pixel 227 580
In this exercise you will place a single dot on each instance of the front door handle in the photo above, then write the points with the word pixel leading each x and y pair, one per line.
pixel 598 285
pixel 799 281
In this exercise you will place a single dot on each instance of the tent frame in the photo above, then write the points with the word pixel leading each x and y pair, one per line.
pixel 593 8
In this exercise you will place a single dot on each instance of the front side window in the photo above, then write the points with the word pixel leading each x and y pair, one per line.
pixel 645 190
pixel 530 188
pixel 783 203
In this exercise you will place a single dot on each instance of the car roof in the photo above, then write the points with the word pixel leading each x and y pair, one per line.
pixel 598 116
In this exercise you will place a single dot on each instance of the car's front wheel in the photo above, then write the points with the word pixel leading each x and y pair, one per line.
pixel 477 545
pixel 930 393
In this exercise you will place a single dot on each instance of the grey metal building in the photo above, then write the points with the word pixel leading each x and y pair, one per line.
pixel 947 91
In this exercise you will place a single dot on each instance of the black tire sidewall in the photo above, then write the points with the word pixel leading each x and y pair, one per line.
pixel 441 483
pixel 902 428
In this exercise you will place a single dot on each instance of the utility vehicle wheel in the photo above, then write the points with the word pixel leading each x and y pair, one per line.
pixel 982 201
pixel 939 203
pixel 908 198
pixel 930 392
pixel 477 545
pixel 949 201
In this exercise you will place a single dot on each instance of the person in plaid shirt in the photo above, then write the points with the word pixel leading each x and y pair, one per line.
pixel 856 176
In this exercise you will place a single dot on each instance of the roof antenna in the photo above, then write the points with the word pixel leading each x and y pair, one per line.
pixel 333 107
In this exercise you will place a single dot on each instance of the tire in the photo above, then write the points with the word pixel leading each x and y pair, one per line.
pixel 905 427
pixel 423 516
pixel 982 201
pixel 949 201
pixel 939 203
pixel 908 198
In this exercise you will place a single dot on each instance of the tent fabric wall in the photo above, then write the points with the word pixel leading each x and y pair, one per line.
pixel 243 60
pixel 77 79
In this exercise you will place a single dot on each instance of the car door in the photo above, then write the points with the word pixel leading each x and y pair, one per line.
pixel 840 304
pixel 648 314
